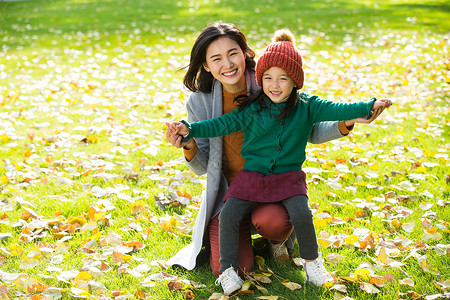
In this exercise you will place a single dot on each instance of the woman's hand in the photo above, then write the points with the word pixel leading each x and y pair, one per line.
pixel 174 136
pixel 178 128
pixel 377 110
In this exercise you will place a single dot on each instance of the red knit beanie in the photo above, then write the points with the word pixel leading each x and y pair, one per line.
pixel 283 54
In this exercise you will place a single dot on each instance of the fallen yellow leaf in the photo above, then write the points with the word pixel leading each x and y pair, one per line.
pixel 362 274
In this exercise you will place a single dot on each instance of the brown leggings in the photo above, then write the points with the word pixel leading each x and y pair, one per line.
pixel 271 221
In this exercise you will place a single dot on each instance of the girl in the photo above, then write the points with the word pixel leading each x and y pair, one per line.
pixel 221 67
pixel 276 123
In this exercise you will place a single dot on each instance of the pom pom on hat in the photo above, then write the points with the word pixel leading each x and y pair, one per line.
pixel 283 54
pixel 283 35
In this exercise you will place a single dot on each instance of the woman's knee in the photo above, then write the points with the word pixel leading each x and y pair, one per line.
pixel 271 220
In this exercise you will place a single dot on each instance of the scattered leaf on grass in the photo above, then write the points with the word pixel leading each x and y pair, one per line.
pixel 423 263
pixel 217 296
pixel 406 281
pixel 368 288
pixel 291 285
pixel 443 285
pixel 339 287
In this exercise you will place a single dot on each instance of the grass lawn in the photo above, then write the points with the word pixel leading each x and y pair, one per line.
pixel 93 200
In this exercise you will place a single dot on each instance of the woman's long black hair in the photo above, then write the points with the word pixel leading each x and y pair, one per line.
pixel 197 79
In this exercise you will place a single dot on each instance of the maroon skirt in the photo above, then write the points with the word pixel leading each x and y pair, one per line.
pixel 257 187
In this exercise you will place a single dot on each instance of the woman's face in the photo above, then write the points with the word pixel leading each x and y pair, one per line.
pixel 226 62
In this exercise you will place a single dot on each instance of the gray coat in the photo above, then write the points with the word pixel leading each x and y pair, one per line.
pixel 201 106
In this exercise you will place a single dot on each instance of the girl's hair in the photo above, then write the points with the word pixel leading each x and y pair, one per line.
pixel 197 79
pixel 259 97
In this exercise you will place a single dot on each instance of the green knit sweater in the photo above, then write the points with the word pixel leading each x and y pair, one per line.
pixel 273 146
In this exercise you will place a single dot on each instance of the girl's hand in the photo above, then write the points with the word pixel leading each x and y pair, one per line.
pixel 180 128
pixel 177 128
pixel 383 103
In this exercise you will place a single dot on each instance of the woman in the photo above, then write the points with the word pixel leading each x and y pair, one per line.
pixel 222 67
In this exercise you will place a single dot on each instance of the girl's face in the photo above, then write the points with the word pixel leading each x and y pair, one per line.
pixel 277 84
pixel 226 62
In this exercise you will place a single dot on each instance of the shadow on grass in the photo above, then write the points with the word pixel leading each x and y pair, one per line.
pixel 438 7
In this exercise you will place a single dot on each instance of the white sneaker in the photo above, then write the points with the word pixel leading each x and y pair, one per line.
pixel 230 281
pixel 316 272
pixel 279 252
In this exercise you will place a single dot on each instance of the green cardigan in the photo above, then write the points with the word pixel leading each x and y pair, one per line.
pixel 273 146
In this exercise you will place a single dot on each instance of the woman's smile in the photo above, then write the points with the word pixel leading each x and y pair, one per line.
pixel 231 73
